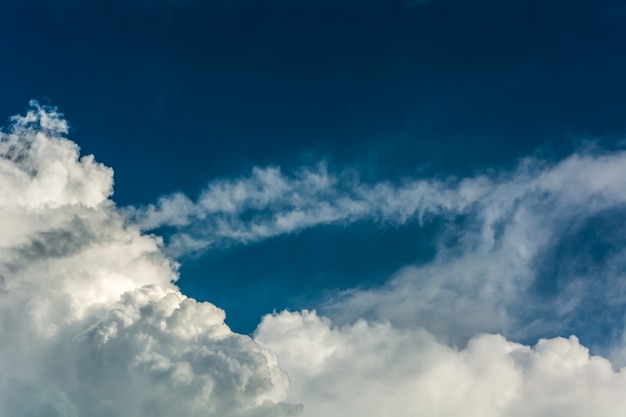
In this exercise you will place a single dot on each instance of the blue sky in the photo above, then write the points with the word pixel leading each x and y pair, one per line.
pixel 442 165
pixel 172 94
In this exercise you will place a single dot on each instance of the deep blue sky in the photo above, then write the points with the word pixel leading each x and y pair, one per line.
pixel 173 93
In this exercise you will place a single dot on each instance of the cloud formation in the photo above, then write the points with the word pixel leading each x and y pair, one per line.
pixel 269 203
pixel 502 234
pixel 417 345
pixel 493 260
pixel 91 323
pixel 373 369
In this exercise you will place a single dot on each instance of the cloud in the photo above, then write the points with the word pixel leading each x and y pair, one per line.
pixel 269 203
pixel 499 245
pixel 492 262
pixel 91 322
pixel 373 369
pixel 438 338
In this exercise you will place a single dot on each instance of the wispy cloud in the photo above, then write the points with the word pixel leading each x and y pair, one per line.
pixel 488 268
pixel 268 202
pixel 499 229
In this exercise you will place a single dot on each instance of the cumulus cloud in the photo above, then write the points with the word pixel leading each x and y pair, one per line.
pixel 373 369
pixel 411 373
pixel 91 322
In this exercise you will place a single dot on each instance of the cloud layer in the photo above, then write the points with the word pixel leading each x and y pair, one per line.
pixel 91 322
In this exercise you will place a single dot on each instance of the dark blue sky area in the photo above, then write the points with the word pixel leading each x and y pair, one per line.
pixel 173 93
pixel 204 88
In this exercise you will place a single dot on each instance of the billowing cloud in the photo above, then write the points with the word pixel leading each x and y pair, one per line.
pixel 373 369
pixel 91 322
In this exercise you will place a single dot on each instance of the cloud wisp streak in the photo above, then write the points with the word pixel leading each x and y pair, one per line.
pixel 269 203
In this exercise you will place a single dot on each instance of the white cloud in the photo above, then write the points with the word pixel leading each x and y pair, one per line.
pixel 269 203
pixel 373 369
pixel 483 282
pixel 91 323
pixel 488 260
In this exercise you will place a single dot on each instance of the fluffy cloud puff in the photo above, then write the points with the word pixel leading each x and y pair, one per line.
pixel 373 369
pixel 91 323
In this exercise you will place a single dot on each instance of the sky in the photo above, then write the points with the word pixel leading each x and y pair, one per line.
pixel 302 208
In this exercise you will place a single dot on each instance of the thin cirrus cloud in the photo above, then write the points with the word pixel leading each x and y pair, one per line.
pixel 92 323
pixel 491 266
pixel 269 203
pixel 500 226
pixel 502 234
